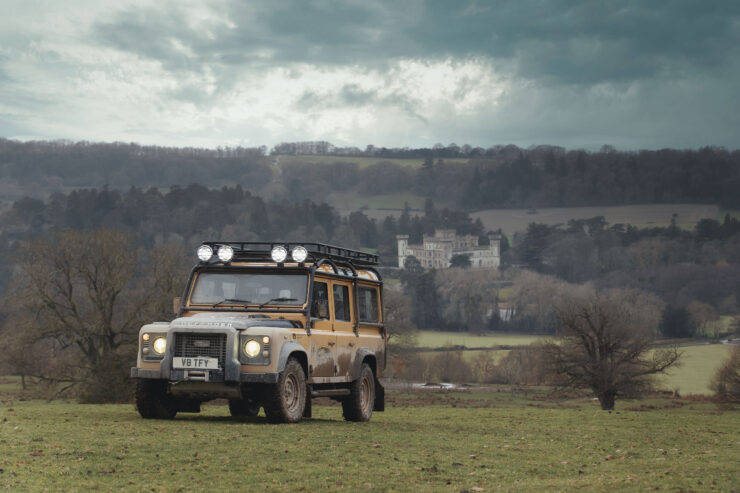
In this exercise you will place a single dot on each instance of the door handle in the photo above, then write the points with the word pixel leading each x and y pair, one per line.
pixel 332 343
pixel 351 344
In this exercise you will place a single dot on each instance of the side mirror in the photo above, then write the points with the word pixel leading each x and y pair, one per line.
pixel 175 306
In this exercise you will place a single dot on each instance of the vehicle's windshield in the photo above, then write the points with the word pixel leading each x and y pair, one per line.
pixel 245 288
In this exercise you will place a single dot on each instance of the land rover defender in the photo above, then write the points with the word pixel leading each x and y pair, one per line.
pixel 268 325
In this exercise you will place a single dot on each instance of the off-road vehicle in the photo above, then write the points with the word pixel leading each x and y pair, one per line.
pixel 268 325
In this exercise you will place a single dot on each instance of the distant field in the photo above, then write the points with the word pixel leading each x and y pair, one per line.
pixel 698 365
pixel 349 202
pixel 513 220
pixel 361 161
pixel 434 339
pixel 643 216
pixel 699 362
pixel 450 441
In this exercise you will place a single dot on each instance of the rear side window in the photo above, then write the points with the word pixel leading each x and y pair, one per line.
pixel 368 304
pixel 320 296
pixel 341 302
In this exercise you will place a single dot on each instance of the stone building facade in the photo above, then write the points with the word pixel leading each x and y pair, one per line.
pixel 437 251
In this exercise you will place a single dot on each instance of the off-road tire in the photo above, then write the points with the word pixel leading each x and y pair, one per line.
pixel 358 405
pixel 248 406
pixel 152 400
pixel 284 402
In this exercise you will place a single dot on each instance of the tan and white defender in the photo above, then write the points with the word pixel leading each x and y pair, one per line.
pixel 268 325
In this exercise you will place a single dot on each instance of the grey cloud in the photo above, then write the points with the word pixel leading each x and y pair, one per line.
pixel 353 96
pixel 561 41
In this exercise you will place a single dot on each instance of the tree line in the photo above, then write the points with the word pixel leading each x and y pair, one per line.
pixel 464 177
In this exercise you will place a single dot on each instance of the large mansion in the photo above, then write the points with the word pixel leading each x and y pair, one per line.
pixel 437 251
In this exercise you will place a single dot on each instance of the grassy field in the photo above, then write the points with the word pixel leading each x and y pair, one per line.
pixel 349 202
pixel 644 216
pixel 698 365
pixel 452 441
pixel 434 339
pixel 652 215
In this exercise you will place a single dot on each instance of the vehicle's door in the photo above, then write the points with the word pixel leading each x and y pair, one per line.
pixel 322 359
pixel 370 332
pixel 344 315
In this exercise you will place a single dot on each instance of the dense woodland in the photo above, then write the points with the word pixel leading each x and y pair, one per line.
pixel 463 178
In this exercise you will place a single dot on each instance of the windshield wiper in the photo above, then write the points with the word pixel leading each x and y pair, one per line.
pixel 232 300
pixel 277 299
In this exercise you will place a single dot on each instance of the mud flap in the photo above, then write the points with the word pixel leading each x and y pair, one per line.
pixel 307 407
pixel 379 404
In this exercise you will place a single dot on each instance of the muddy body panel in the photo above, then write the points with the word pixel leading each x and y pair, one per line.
pixel 241 323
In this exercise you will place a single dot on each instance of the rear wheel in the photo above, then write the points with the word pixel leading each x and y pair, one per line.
pixel 249 406
pixel 153 401
pixel 284 402
pixel 358 405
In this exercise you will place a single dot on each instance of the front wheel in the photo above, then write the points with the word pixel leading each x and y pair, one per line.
pixel 153 401
pixel 284 402
pixel 358 405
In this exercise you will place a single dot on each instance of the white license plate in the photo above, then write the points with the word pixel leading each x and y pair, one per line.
pixel 194 363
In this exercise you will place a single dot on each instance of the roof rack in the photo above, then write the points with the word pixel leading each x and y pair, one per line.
pixel 260 251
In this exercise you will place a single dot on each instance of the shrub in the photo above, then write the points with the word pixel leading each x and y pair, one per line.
pixel 726 382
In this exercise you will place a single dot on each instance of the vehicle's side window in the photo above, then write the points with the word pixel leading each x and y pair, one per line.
pixel 368 304
pixel 341 302
pixel 320 306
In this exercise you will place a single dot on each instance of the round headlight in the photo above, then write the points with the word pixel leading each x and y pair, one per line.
pixel 252 348
pixel 299 254
pixel 279 254
pixel 160 344
pixel 225 253
pixel 205 253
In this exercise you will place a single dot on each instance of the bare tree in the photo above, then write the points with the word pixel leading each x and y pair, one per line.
pixel 606 344
pixel 85 294
pixel 397 318
pixel 726 381
pixel 467 296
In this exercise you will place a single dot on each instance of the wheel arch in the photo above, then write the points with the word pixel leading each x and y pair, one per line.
pixel 295 350
pixel 364 355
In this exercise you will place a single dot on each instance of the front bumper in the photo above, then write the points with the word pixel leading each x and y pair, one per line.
pixel 179 376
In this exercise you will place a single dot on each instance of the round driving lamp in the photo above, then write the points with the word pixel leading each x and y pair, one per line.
pixel 225 253
pixel 252 348
pixel 160 344
pixel 279 254
pixel 205 253
pixel 299 254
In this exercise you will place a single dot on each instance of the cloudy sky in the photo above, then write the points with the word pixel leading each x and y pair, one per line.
pixel 633 74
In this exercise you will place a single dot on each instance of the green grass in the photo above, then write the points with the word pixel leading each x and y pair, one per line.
pixel 453 443
pixel 352 201
pixel 434 339
pixel 470 356
pixel 698 365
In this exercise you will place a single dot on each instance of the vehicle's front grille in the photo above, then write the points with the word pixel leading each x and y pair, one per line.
pixel 190 345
